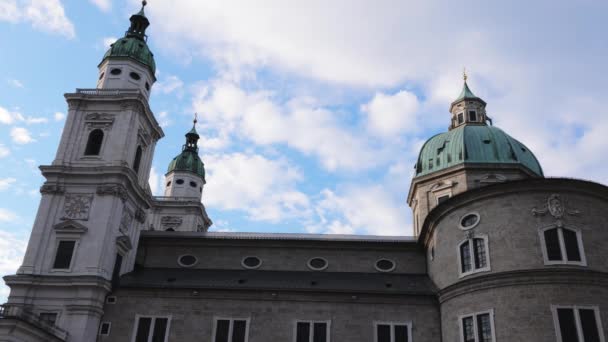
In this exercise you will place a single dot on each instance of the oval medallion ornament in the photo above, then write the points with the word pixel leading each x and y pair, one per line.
pixel 555 206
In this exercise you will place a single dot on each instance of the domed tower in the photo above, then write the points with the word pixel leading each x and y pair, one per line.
pixel 471 154
pixel 185 175
pixel 129 63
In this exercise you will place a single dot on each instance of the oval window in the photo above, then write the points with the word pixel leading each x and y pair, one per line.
pixel 102 75
pixel 469 221
pixel 192 184
pixel 187 260
pixel 135 76
pixel 147 86
pixel 317 264
pixel 179 181
pixel 385 265
pixel 251 262
pixel 116 71
pixel 168 183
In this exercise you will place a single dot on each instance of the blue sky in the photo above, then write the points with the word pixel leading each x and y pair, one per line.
pixel 311 112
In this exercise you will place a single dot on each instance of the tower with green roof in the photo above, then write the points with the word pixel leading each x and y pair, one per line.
pixel 472 153
pixel 129 63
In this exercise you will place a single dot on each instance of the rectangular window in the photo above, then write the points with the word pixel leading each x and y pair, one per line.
pixel 472 115
pixel 473 255
pixel 104 329
pixel 393 332
pixel 231 330
pixel 442 199
pixel 460 118
pixel 478 327
pixel 312 331
pixel 578 324
pixel 48 317
pixel 63 256
pixel 562 246
pixel 151 329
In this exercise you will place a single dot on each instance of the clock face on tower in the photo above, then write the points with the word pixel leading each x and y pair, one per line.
pixel 77 206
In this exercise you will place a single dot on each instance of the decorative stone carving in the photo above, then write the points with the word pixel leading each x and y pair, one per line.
pixel 556 207
pixel 77 206
pixel 171 222
pixel 126 220
pixel 99 120
pixel 113 190
pixel 492 178
pixel 124 244
pixel 144 136
pixel 140 215
pixel 70 227
pixel 52 189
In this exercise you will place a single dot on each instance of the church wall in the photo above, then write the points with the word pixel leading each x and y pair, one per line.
pixel 522 312
pixel 514 240
pixel 293 256
pixel 272 318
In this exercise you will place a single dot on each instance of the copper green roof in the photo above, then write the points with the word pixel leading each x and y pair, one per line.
pixel 188 161
pixel 467 94
pixel 133 45
pixel 480 144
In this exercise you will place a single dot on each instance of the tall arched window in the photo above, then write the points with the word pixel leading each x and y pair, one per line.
pixel 562 245
pixel 94 143
pixel 137 159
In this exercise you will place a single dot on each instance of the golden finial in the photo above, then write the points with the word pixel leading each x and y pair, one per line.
pixel 464 74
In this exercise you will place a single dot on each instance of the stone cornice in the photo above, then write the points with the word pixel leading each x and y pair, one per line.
pixel 52 280
pixel 526 277
pixel 571 185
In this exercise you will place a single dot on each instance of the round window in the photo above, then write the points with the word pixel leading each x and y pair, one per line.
pixel 187 260
pixel 317 264
pixel 251 262
pixel 179 181
pixel 192 184
pixel 116 71
pixel 469 221
pixel 385 265
pixel 135 76
pixel 147 86
pixel 168 183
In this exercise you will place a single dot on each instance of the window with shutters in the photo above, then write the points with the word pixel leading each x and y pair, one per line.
pixel 477 327
pixel 231 330
pixel 64 255
pixel 312 331
pixel 151 328
pixel 577 324
pixel 392 331
pixel 562 245
pixel 473 255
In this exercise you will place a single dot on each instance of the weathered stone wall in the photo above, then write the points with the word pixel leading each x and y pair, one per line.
pixel 272 318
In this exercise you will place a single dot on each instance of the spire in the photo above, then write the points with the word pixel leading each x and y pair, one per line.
pixel 192 137
pixel 139 23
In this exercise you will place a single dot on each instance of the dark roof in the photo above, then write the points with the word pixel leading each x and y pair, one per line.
pixel 382 283
pixel 279 236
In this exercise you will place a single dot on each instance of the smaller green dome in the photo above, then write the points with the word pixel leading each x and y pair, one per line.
pixel 134 48
pixel 188 161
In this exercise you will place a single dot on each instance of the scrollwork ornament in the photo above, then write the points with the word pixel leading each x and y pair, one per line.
pixel 171 222
pixel 52 189
pixel 126 219
pixel 113 190
pixel 140 215
pixel 556 207
pixel 77 207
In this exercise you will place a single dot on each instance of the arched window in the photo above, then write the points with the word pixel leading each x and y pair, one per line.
pixel 137 159
pixel 94 143
pixel 562 246
pixel 473 255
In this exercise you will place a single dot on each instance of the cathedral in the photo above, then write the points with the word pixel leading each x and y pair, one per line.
pixel 499 252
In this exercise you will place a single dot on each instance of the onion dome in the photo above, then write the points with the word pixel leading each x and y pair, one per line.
pixel 133 45
pixel 189 160
pixel 470 140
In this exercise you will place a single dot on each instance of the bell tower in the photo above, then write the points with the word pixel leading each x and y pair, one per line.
pixel 95 199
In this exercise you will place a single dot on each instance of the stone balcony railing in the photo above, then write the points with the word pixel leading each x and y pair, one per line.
pixel 175 198
pixel 108 92
pixel 21 313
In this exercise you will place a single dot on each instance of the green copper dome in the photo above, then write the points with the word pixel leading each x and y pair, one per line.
pixel 133 45
pixel 189 160
pixel 134 48
pixel 475 144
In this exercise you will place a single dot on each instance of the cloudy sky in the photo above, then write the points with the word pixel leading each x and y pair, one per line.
pixel 311 112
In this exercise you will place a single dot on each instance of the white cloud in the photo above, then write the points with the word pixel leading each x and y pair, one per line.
pixel 21 135
pixel 103 5
pixel 4 151
pixel 164 120
pixel 44 15
pixel 59 116
pixel 389 115
pixel 155 181
pixel 12 250
pixel 7 117
pixel 5 183
pixel 169 85
pixel 15 83
pixel 7 215
pixel 33 121
pixel 265 189
pixel 107 41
